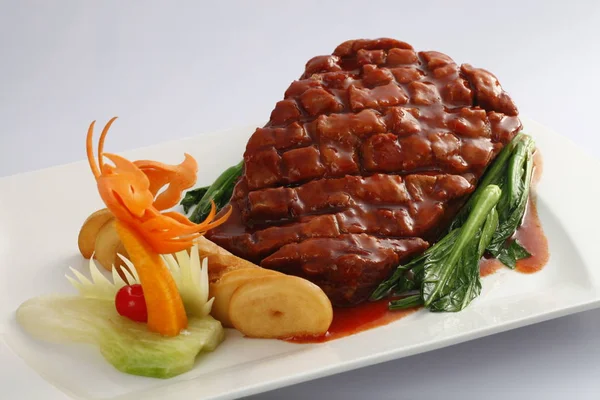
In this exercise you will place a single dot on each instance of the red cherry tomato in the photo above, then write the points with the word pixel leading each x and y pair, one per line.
pixel 130 303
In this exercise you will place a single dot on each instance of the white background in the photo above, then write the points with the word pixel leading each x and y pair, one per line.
pixel 191 67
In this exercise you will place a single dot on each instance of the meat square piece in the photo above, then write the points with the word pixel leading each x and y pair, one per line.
pixel 381 96
pixel 317 101
pixel 302 164
pixel 363 163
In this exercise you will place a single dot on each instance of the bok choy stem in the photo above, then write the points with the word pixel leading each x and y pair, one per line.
pixel 518 182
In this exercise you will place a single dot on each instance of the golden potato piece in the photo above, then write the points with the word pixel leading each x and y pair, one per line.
pixel 107 244
pixel 229 282
pixel 220 261
pixel 268 304
pixel 209 248
pixel 89 231
pixel 280 306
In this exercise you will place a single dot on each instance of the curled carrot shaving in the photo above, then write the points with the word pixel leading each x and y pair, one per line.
pixel 89 147
pixel 131 191
pixel 178 177
pixel 102 139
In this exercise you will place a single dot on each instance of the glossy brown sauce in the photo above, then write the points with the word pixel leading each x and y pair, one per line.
pixel 349 321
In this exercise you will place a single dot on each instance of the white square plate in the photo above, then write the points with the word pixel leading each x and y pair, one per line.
pixel 41 213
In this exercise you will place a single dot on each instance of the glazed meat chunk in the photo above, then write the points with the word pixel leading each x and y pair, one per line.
pixel 363 164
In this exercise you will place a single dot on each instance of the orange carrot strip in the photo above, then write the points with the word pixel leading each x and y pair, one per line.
pixel 164 224
pixel 101 141
pixel 154 165
pixel 172 246
pixel 89 147
pixel 179 218
pixel 171 227
pixel 212 213
pixel 179 177
pixel 131 183
pixel 166 314
pixel 220 221
pixel 158 179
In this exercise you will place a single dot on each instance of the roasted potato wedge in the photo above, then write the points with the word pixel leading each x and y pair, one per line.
pixel 89 231
pixel 229 282
pixel 285 305
pixel 220 260
pixel 280 306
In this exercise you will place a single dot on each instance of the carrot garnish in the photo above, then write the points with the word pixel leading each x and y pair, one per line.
pixel 129 189
pixel 178 177
pixel 132 192
pixel 89 147
pixel 166 313
pixel 102 139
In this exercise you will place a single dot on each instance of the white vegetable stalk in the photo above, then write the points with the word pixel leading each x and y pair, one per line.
pixel 191 277
pixel 100 287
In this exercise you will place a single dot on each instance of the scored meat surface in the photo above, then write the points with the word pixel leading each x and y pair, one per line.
pixel 363 163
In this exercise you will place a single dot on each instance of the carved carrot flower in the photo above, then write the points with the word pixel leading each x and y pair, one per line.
pixel 131 191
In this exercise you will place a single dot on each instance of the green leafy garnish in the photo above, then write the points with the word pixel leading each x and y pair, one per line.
pixel 192 198
pixel 406 302
pixel 416 266
pixel 511 253
pixel 495 175
pixel 448 272
pixel 396 281
pixel 520 170
pixel 405 284
pixel 511 172
pixel 451 273
pixel 219 192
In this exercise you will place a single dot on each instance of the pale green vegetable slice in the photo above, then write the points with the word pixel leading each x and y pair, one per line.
pixel 127 345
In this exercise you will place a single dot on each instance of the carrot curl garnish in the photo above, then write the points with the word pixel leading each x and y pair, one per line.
pixel 89 147
pixel 132 192
pixel 101 141
pixel 178 177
